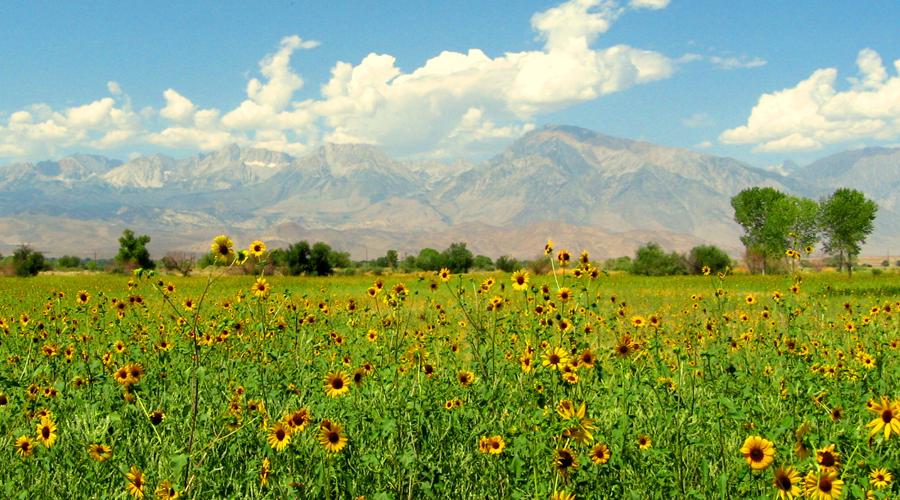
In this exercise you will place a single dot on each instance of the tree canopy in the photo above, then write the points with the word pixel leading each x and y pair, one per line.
pixel 846 217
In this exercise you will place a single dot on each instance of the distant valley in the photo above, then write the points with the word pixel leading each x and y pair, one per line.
pixel 582 188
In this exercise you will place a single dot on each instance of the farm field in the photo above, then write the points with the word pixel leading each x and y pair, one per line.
pixel 472 386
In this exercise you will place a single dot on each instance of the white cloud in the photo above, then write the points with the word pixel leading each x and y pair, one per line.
pixel 649 4
pixel 815 113
pixel 456 102
pixel 704 145
pixel 737 62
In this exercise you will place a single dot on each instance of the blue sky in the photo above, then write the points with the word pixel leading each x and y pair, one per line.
pixel 760 81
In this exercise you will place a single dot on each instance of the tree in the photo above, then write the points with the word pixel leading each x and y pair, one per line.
pixel 483 262
pixel 458 258
pixel 319 259
pixel 340 260
pixel 507 264
pixel 429 259
pixel 391 259
pixel 28 262
pixel 179 262
pixel 68 262
pixel 297 258
pixel 133 250
pixel 752 207
pixel 847 217
pixel 652 260
pixel 709 256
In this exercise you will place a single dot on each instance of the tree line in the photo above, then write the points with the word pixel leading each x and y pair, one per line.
pixel 778 226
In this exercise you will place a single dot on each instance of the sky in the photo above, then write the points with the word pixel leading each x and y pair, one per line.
pixel 762 81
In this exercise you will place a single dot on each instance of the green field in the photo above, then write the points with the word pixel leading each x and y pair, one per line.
pixel 460 389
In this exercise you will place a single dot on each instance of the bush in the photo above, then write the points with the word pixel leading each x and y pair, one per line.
pixel 483 262
pixel 710 256
pixel 507 264
pixel 458 258
pixel 651 260
pixel 618 264
pixel 28 262
pixel 68 262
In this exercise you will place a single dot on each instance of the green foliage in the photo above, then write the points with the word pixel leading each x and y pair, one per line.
pixel 133 251
pixel 507 264
pixel 847 217
pixel 458 258
pixel 709 256
pixel 483 263
pixel 652 260
pixel 320 259
pixel 28 262
pixel 297 258
pixel 429 259
pixel 623 263
pixel 391 259
pixel 68 262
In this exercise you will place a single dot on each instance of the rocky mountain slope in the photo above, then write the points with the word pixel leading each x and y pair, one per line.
pixel 582 188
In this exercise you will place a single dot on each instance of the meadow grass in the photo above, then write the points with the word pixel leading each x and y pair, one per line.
pixel 624 387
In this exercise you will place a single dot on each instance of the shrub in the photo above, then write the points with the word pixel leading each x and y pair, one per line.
pixel 28 262
pixel 710 256
pixel 651 260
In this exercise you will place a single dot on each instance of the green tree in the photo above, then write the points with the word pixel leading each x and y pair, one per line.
pixel 391 259
pixel 340 260
pixel 458 258
pixel 133 250
pixel 708 256
pixel 847 217
pixel 429 259
pixel 28 262
pixel 483 262
pixel 652 260
pixel 507 264
pixel 68 262
pixel 297 258
pixel 319 259
pixel 752 208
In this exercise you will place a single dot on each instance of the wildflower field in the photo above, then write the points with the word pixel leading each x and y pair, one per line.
pixel 438 385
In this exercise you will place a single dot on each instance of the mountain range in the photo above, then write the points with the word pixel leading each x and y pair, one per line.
pixel 579 187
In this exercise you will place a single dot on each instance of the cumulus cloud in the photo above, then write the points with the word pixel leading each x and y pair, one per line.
pixel 815 113
pixel 456 102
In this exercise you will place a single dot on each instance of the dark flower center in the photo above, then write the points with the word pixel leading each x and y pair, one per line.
pixel 337 383
pixel 825 485
pixel 887 416
pixel 784 482
pixel 279 434
pixel 827 460
pixel 333 437
pixel 756 454
pixel 45 432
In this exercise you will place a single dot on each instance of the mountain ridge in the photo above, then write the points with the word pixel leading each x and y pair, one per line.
pixel 610 188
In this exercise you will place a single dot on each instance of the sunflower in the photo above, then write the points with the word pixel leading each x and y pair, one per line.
pixel 888 413
pixel 222 248
pixel 46 431
pixel 823 485
pixel 24 446
pixel 562 495
pixel 298 420
pixel 444 274
pixel 758 451
pixel 493 445
pixel 331 436
pixel 261 288
pixel 587 358
pixel 564 294
pixel 563 257
pixel 465 378
pixel 556 358
pixel 100 452
pixel 565 461
pixel 828 459
pixel 165 491
pixel 600 454
pixel 82 297
pixel 526 362
pixel 548 247
pixel 136 482
pixel 644 442
pixel 279 436
pixel 337 384
pixel 880 478
pixel 157 416
pixel 257 249
pixel 520 280
pixel 787 483
pixel 638 321
pixel 264 472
